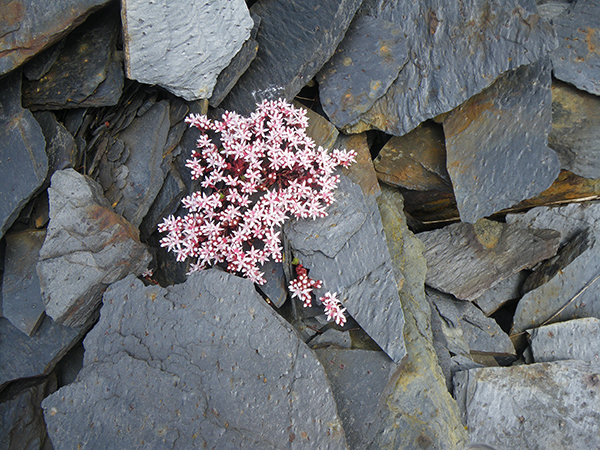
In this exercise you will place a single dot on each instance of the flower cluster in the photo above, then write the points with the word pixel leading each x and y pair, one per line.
pixel 255 173
pixel 302 286
pixel 333 308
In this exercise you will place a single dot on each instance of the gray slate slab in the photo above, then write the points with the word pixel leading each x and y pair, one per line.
pixel 456 50
pixel 346 89
pixel 294 42
pixel 546 406
pixel 502 292
pixel 26 31
pixel 61 148
pixel 347 251
pixel 496 143
pixel 573 339
pixel 183 46
pixel 466 259
pixel 577 60
pixel 88 247
pixel 24 161
pixel 22 302
pixel 204 364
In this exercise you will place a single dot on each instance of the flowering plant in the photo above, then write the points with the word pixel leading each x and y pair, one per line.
pixel 259 172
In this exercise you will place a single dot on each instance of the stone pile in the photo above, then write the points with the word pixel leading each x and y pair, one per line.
pixel 463 243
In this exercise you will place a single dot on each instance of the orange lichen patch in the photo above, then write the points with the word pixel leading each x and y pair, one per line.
pixel 464 115
pixel 592 37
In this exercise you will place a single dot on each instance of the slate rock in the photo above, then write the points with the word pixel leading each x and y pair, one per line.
pixel 575 132
pixel 543 406
pixel 502 292
pixel 577 58
pixel 294 42
pixel 346 89
pixel 496 143
pixel 574 288
pixel 419 411
pixel 61 149
pixel 319 129
pixel 88 247
pixel 359 379
pixel 347 251
pixel 22 356
pixel 22 302
pixel 85 64
pixel 26 32
pixel 456 50
pixel 206 363
pixel 24 161
pixel 415 161
pixel 183 46
pixel 335 339
pixel 360 172
pixel 466 259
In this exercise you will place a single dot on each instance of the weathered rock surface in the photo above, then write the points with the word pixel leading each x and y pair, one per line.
pixel 547 406
pixel 419 411
pixel 61 148
pixel 24 161
pixel 22 302
pixel 26 30
pixel 496 143
pixel 206 364
pixel 347 251
pixel 87 248
pixel 87 70
pixel 294 42
pixel 577 59
pixel 502 292
pixel 360 172
pixel 346 89
pixel 456 50
pixel 187 58
pixel 573 339
pixel 466 259
pixel 575 132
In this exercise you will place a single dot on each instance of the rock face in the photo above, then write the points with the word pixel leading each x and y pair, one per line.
pixel 544 406
pixel 87 248
pixel 456 50
pixel 496 143
pixel 24 161
pixel 294 41
pixel 204 363
pixel 185 59
pixel 464 260
pixel 576 60
pixel 26 31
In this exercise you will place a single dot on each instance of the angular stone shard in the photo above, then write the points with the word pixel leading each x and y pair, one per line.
pixel 26 31
pixel 464 259
pixel 573 339
pixel 577 59
pixel 87 248
pixel 456 50
pixel 61 148
pixel 23 162
pixel 545 406
pixel 347 251
pixel 361 172
pixel 207 363
pixel 183 46
pixel 294 41
pixel 346 89
pixel 496 143
pixel 502 292
pixel 575 132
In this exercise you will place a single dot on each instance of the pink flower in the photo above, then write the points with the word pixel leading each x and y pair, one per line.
pixel 333 308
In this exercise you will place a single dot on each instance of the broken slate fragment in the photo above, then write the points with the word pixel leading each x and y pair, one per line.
pixel 347 251
pixel 206 362
pixel 360 172
pixel 346 89
pixel 577 60
pixel 502 292
pixel 88 247
pixel 466 259
pixel 496 143
pixel 544 406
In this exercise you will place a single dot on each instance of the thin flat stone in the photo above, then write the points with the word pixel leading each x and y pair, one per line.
pixel 360 172
pixel 319 129
pixel 203 37
pixel 206 362
pixel 60 146
pixel 496 143
pixel 577 59
pixel 465 259
pixel 346 89
pixel 502 292
pixel 294 42
pixel 546 405
pixel 456 50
